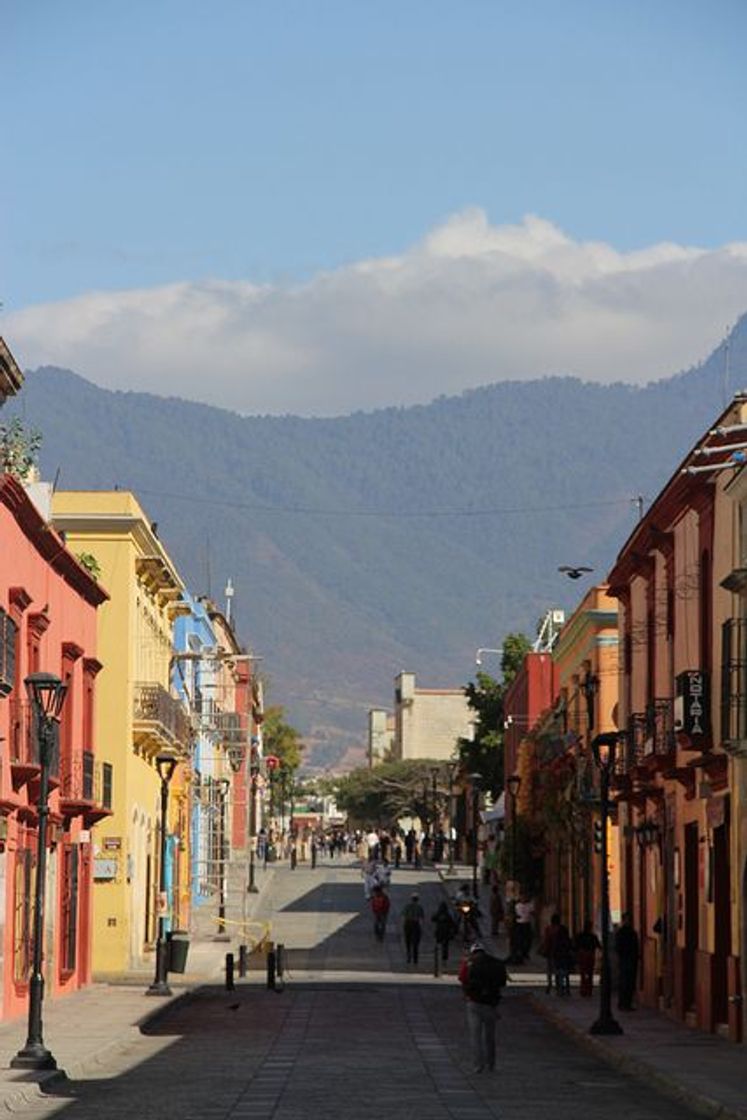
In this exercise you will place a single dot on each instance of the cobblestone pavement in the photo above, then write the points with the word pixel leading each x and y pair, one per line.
pixel 356 1033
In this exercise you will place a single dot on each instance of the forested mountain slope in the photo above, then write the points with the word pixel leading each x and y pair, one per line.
pixel 403 538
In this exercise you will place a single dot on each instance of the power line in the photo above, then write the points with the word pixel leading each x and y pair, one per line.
pixel 318 512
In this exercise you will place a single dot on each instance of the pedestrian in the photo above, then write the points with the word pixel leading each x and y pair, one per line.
pixel 410 845
pixel 380 909
pixel 413 916
pixel 587 944
pixel 445 928
pixel 369 879
pixel 563 960
pixel 469 911
pixel 483 978
pixel 628 949
pixel 497 911
pixel 524 917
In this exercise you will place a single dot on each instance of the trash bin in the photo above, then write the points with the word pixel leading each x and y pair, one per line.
pixel 271 853
pixel 177 942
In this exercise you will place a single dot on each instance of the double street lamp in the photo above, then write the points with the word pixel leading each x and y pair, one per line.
pixel 513 785
pixel 475 779
pixel 165 766
pixel 46 695
pixel 603 748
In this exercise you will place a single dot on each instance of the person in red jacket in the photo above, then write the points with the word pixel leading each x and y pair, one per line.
pixel 380 909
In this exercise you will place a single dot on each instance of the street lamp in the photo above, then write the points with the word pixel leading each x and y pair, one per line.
pixel 603 748
pixel 475 779
pixel 513 785
pixel 253 774
pixel 223 785
pixel 451 768
pixel 47 695
pixel 165 766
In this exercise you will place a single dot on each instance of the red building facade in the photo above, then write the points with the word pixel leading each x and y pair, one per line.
pixel 48 604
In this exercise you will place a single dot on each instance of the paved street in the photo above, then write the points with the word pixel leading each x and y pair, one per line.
pixel 355 1033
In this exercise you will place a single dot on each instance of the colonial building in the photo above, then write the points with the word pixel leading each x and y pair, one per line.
pixel 380 735
pixel 682 774
pixel 586 661
pixel 137 718
pixel 48 605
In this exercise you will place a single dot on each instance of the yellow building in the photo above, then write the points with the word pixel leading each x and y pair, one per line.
pixel 136 719
pixel 586 659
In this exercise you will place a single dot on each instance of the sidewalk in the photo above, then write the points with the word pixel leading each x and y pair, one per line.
pixel 87 1028
pixel 703 1071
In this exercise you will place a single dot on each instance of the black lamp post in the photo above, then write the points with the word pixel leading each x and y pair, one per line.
pixel 513 785
pixel 475 779
pixel 253 774
pixel 603 748
pixel 47 695
pixel 165 765
pixel 223 785
pixel 451 768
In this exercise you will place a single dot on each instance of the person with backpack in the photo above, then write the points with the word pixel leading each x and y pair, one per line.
pixel 483 978
pixel 380 909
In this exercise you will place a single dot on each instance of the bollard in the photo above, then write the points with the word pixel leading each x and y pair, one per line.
pixel 279 959
pixel 230 987
pixel 313 857
pixel 243 961
pixel 436 959
pixel 294 858
pixel 271 970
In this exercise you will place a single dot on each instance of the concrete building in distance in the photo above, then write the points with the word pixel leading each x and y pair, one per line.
pixel 429 722
pixel 380 735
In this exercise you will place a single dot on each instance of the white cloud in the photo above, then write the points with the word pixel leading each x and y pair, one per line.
pixel 470 304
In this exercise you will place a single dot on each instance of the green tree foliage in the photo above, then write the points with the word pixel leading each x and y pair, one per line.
pixel 484 754
pixel 19 448
pixel 281 739
pixel 384 793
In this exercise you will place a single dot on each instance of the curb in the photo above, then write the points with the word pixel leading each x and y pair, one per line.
pixel 640 1070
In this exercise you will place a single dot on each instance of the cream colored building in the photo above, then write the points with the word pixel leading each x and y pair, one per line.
pixel 380 736
pixel 429 722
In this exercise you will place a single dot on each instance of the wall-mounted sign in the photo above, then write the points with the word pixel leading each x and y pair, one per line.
pixel 692 705
pixel 112 843
pixel 104 870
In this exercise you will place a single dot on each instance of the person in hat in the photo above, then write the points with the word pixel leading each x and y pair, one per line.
pixel 483 978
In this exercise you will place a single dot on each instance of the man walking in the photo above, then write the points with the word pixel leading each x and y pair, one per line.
pixel 380 910
pixel 483 978
pixel 412 920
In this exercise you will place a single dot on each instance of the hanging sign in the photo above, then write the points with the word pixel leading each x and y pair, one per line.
pixel 692 709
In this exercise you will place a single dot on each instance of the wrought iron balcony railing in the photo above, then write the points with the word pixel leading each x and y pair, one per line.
pixel 24 738
pixel 155 706
pixel 734 681
pixel 660 738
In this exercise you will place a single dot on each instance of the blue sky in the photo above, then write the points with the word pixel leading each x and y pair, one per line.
pixel 164 141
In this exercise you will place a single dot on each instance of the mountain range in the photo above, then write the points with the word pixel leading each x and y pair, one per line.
pixel 404 538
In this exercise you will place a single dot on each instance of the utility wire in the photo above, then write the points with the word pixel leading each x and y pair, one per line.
pixel 317 512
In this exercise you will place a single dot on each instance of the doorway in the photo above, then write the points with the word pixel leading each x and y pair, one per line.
pixel 691 916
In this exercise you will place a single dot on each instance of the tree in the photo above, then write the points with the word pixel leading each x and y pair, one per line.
pixel 483 754
pixel 382 794
pixel 19 449
pixel 280 739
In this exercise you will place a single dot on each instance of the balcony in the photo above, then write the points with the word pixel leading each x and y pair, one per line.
pixel 23 746
pixel 660 740
pixel 734 686
pixel 76 783
pixel 159 720
pixel 8 636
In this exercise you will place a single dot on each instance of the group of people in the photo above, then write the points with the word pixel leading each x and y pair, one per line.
pixel 564 955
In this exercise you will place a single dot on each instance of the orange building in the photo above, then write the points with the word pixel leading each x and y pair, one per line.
pixel 48 604
pixel 681 582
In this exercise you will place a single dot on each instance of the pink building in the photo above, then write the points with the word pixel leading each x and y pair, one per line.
pixel 48 605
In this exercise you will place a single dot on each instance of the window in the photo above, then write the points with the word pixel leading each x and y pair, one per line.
pixel 69 917
pixel 8 647
pixel 23 910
